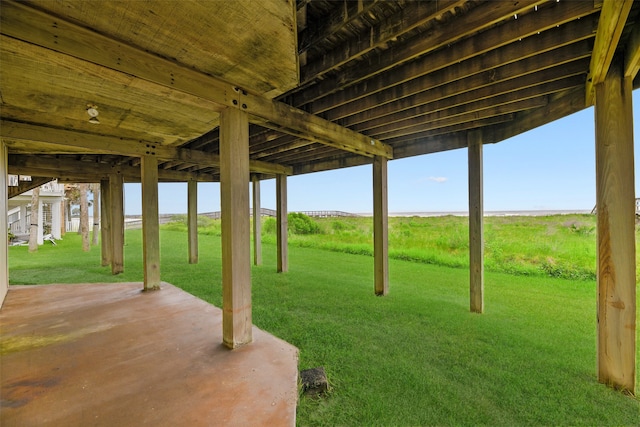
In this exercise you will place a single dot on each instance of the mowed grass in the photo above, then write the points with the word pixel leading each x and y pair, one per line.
pixel 414 357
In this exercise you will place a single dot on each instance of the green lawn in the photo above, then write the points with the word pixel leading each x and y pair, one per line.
pixel 414 357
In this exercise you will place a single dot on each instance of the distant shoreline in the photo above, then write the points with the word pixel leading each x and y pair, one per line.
pixel 486 213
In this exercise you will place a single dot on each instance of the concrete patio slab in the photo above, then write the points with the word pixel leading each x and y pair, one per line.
pixel 110 354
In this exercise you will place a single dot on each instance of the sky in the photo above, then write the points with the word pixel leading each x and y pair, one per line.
pixel 548 168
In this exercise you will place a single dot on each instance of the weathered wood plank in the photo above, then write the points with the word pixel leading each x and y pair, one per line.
pixel 612 19
pixel 380 69
pixel 4 207
pixel 485 86
pixel 380 226
pixel 28 164
pixel 20 137
pixel 257 224
pixel 256 48
pixel 294 121
pixel 23 186
pixel 236 240
pixel 414 15
pixel 470 56
pixel 310 35
pixel 282 225
pixel 476 223
pixel 24 23
pixel 192 220
pixel 116 197
pixel 632 54
pixel 150 223
pixel 615 197
pixel 105 223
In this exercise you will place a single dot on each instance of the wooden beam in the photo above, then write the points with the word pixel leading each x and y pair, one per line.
pixel 339 18
pixel 24 186
pixel 296 122
pixel 380 227
pixel 116 197
pixel 236 245
pixel 632 54
pixel 485 86
pixel 282 225
pixel 366 78
pixel 388 30
pixel 560 105
pixel 28 164
pixel 20 137
pixel 613 17
pixel 615 197
pixel 4 208
pixel 257 224
pixel 150 223
pixel 470 56
pixel 192 220
pixel 23 22
pixel 476 226
pixel 105 223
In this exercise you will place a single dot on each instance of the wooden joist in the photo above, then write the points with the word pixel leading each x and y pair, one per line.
pixel 25 138
pixel 24 186
pixel 613 17
pixel 25 23
pixel 24 164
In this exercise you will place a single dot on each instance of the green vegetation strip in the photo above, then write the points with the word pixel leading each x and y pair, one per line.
pixel 415 357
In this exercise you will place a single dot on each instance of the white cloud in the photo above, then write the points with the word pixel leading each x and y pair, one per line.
pixel 438 179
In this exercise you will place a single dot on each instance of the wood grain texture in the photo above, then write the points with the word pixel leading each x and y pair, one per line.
pixel 612 21
pixel 150 223
pixel 476 223
pixel 236 240
pixel 257 225
pixel 192 220
pixel 257 48
pixel 380 226
pixel 105 223
pixel 615 203
pixel 116 196
pixel 4 253
pixel 282 224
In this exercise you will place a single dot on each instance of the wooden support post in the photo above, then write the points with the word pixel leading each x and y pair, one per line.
pixel 4 208
pixel 380 226
pixel 476 223
pixel 105 223
pixel 150 223
pixel 192 220
pixel 282 224
pixel 236 240
pixel 257 225
pixel 615 196
pixel 116 197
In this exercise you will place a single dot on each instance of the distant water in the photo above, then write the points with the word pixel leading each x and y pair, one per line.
pixel 487 213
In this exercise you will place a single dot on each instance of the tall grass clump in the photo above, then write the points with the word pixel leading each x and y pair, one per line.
pixel 561 246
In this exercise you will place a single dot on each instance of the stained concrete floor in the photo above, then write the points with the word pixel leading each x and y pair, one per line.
pixel 111 355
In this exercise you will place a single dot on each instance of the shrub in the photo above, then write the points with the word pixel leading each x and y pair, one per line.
pixel 300 223
pixel 269 226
